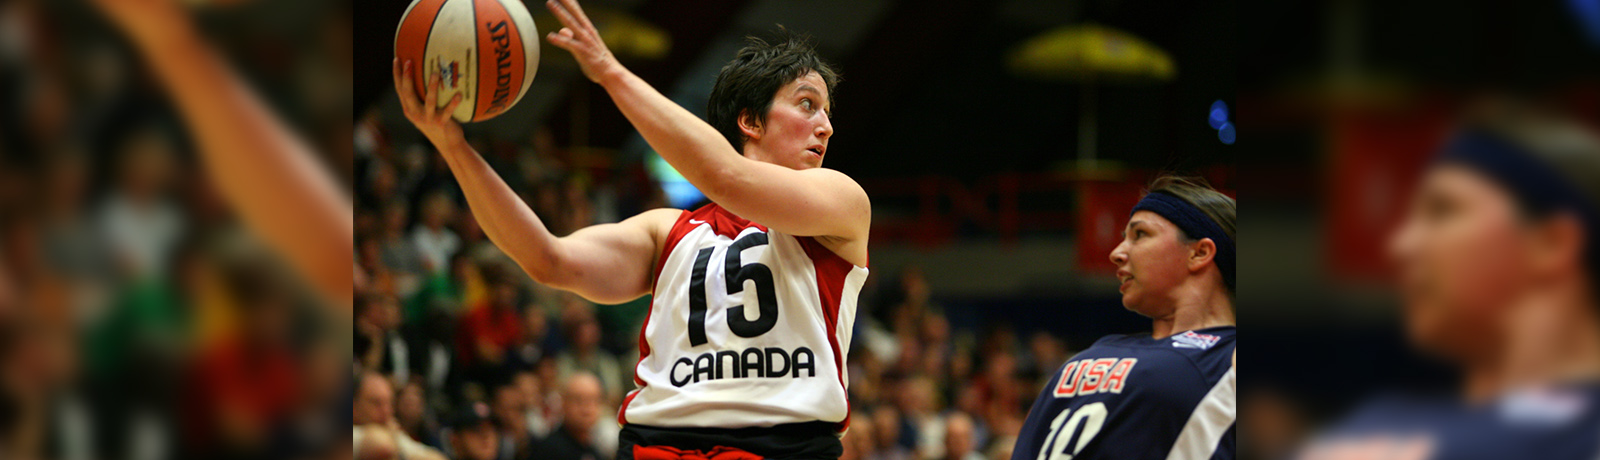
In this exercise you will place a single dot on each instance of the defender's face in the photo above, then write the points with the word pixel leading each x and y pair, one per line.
pixel 1461 258
pixel 1151 262
pixel 797 129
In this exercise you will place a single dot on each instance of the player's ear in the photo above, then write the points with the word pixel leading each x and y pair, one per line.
pixel 1558 244
pixel 1201 253
pixel 749 125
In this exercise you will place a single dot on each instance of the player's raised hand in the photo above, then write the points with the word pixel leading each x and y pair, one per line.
pixel 579 37
pixel 434 121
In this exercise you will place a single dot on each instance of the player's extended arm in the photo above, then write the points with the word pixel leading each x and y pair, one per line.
pixel 815 202
pixel 264 170
pixel 608 263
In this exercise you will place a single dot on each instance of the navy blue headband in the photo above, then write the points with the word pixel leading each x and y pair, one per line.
pixel 1535 184
pixel 1195 224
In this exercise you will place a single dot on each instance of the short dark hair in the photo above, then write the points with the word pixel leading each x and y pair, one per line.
pixel 749 82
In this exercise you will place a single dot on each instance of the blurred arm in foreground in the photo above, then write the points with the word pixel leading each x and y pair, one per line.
pixel 265 171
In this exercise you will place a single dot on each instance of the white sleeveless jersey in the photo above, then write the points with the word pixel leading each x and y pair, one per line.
pixel 748 327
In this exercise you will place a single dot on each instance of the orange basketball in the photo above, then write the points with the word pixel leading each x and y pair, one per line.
pixel 486 50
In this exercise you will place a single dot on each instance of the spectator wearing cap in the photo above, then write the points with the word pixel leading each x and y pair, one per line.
pixel 472 434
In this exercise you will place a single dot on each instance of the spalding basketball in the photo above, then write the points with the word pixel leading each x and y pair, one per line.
pixel 486 50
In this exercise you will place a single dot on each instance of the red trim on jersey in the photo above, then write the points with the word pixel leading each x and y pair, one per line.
pixel 724 222
pixel 673 453
pixel 622 418
pixel 674 235
pixel 831 273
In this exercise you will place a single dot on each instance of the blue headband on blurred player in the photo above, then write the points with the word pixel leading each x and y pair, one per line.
pixel 1195 224
pixel 1535 184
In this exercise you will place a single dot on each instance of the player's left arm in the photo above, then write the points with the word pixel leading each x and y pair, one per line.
pixel 263 169
pixel 816 202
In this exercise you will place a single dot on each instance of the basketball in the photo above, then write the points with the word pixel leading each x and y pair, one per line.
pixel 485 50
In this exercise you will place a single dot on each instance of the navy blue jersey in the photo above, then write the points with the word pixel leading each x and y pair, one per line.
pixel 1553 423
pixel 1137 397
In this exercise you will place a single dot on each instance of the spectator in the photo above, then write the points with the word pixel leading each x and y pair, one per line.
pixel 473 435
pixel 538 419
pixel 574 439
pixel 140 221
pixel 919 417
pixel 433 240
pixel 886 419
pixel 400 254
pixel 378 345
pixel 859 443
pixel 378 434
pixel 585 354
pixel 491 329
pixel 374 401
pixel 509 407
pixel 412 413
pixel 533 347
pixel 958 438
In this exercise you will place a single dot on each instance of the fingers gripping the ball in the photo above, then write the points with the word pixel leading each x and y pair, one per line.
pixel 428 116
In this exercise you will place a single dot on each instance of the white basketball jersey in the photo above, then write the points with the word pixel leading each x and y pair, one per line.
pixel 748 327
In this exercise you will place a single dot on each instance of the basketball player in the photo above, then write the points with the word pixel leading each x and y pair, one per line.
pixel 754 295
pixel 1168 394
pixel 1498 258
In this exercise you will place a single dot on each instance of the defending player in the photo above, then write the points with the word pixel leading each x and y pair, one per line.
pixel 1169 394
pixel 264 171
pixel 1498 259
pixel 754 295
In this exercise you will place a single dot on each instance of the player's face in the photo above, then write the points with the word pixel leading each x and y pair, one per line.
pixel 1460 259
pixel 797 129
pixel 1151 263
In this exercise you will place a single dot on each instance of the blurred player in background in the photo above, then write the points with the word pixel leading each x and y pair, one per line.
pixel 270 176
pixel 1170 394
pixel 754 295
pixel 156 327
pixel 1498 261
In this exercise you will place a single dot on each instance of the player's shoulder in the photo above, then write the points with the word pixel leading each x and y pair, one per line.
pixel 662 216
pixel 841 182
pixel 1209 352
pixel 658 222
pixel 1214 338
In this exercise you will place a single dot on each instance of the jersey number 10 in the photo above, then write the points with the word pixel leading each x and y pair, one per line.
pixel 737 273
pixel 1062 429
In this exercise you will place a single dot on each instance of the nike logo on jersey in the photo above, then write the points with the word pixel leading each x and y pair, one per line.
pixel 696 222
pixel 1089 376
pixel 1192 340
pixel 769 362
